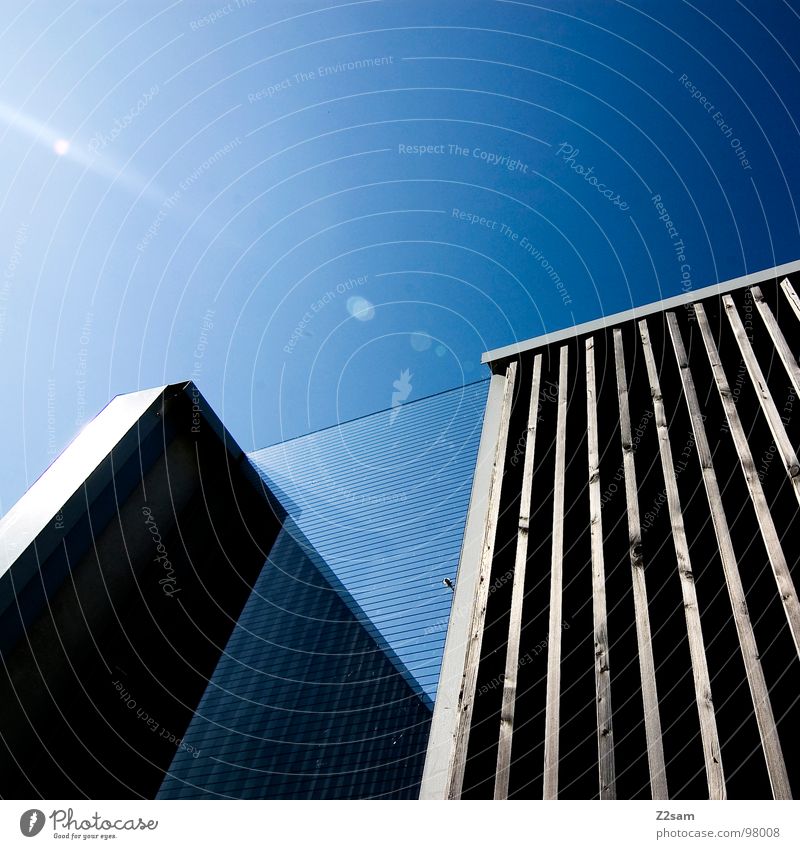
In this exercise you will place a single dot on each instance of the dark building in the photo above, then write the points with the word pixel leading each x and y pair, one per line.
pixel 182 620
pixel 124 568
pixel 626 621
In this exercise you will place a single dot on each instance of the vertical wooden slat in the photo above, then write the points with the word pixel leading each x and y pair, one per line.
pixel 602 663
pixel 552 711
pixel 702 683
pixel 769 533
pixel 782 442
pixel 517 593
pixel 776 766
pixel 778 339
pixel 467 698
pixel 647 668
pixel 791 296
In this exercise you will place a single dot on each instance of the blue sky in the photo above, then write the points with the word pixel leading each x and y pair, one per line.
pixel 294 203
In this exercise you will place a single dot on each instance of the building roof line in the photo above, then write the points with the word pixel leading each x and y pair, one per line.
pixel 638 312
pixel 367 415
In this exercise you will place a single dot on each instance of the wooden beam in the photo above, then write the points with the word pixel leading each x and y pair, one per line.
pixel 791 296
pixel 517 593
pixel 778 339
pixel 766 524
pixel 785 448
pixel 552 710
pixel 702 683
pixel 776 766
pixel 467 697
pixel 647 668
pixel 602 663
pixel 438 759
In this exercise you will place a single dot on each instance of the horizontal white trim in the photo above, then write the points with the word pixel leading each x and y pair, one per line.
pixel 638 312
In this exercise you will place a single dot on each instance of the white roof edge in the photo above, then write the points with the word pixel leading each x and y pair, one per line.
pixel 43 499
pixel 638 312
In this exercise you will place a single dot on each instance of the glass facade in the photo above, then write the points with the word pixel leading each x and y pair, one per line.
pixel 326 686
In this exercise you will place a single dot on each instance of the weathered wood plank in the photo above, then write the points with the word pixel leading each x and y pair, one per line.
pixel 702 684
pixel 776 766
pixel 791 296
pixel 785 448
pixel 467 698
pixel 769 533
pixel 602 662
pixel 647 668
pixel 518 593
pixel 778 339
pixel 552 710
